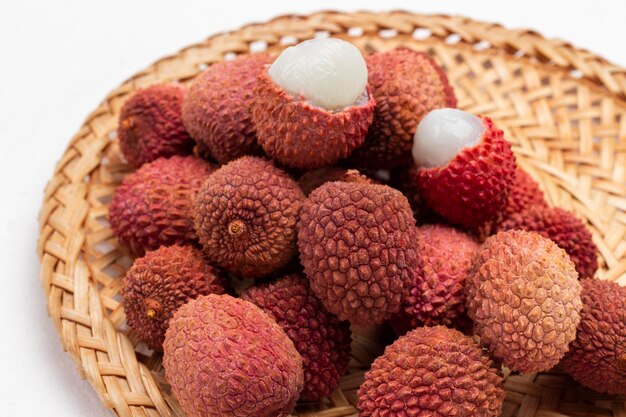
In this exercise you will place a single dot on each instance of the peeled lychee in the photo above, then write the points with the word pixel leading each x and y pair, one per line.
pixel 313 179
pixel 321 339
pixel 217 110
pixel 245 216
pixel 564 229
pixel 160 282
pixel 597 358
pixel 434 372
pixel 151 125
pixel 312 106
pixel 152 206
pixel 224 357
pixel 524 297
pixel 473 186
pixel 406 85
pixel 437 296
pixel 357 246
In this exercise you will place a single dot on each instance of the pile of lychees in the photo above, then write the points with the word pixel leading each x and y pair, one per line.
pixel 348 191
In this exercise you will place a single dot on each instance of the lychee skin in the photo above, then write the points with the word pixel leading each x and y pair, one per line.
pixel 217 110
pixel 523 295
pixel 597 358
pixel 224 357
pixel 246 215
pixel 152 206
pixel 357 247
pixel 564 229
pixel 160 282
pixel 437 296
pixel 474 186
pixel 310 180
pixel 525 193
pixel 151 126
pixel 406 86
pixel 299 135
pixel 435 372
pixel 320 337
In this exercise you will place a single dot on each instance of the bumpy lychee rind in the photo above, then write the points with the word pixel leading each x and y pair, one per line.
pixel 299 135
pixel 597 358
pixel 320 337
pixel 524 194
pixel 160 282
pixel 151 125
pixel 435 372
pixel 357 246
pixel 564 229
pixel 152 206
pixel 474 186
pixel 437 296
pixel 406 85
pixel 310 180
pixel 246 215
pixel 524 297
pixel 217 110
pixel 224 357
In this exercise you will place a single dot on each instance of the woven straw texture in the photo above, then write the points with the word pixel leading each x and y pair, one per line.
pixel 563 109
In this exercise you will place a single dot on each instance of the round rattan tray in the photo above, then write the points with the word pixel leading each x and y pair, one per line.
pixel 563 109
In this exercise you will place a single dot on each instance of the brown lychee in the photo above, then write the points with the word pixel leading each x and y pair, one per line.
pixel 357 246
pixel 310 180
pixel 152 206
pixel 151 126
pixel 245 216
pixel 160 282
pixel 437 296
pixel 524 297
pixel 597 358
pixel 217 110
pixel 224 357
pixel 435 372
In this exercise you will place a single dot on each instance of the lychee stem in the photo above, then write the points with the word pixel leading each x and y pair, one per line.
pixel 237 228
pixel 153 308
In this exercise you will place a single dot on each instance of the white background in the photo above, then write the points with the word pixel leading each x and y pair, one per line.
pixel 59 59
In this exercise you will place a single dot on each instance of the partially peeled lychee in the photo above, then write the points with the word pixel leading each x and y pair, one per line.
pixel 312 106
pixel 463 166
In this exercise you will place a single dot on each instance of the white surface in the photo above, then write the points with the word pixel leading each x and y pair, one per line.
pixel 59 59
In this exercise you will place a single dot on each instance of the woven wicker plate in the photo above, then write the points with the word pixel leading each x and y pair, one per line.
pixel 563 109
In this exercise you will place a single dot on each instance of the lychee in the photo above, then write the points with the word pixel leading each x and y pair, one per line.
pixel 437 296
pixel 312 106
pixel 435 372
pixel 151 125
pixel 464 167
pixel 152 206
pixel 357 246
pixel 320 337
pixel 217 110
pixel 523 295
pixel 224 357
pixel 597 358
pixel 245 216
pixel 160 282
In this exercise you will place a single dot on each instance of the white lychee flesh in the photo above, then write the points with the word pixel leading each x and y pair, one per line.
pixel 329 73
pixel 442 134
